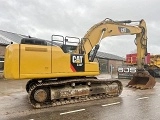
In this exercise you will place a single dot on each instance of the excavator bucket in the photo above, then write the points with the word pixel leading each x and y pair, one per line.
pixel 142 80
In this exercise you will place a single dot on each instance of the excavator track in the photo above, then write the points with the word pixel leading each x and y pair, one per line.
pixel 50 93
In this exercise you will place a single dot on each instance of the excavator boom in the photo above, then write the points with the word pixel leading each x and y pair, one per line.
pixel 142 79
pixel 104 29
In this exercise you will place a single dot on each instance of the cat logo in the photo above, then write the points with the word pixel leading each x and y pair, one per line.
pixel 77 62
pixel 77 59
pixel 123 30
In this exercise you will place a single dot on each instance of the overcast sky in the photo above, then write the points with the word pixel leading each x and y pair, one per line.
pixel 42 18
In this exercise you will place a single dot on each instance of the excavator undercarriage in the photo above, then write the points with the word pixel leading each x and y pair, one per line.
pixel 47 93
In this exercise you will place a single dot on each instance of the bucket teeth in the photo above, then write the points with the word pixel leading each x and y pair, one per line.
pixel 142 80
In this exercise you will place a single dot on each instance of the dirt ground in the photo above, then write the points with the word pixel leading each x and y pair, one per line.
pixel 14 102
pixel 13 98
pixel 8 87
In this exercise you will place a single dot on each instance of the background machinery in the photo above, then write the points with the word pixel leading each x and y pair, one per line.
pixel 152 64
pixel 63 73
pixel 129 67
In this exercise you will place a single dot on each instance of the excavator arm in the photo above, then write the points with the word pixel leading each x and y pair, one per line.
pixel 108 28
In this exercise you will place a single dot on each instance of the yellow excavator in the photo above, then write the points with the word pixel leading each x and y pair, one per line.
pixel 61 73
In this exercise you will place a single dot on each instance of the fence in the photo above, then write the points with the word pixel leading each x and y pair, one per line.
pixel 126 71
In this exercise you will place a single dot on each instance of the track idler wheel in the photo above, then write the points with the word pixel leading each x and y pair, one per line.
pixel 39 96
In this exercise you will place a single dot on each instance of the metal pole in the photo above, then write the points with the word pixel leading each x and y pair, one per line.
pixel 1 68
pixel 111 67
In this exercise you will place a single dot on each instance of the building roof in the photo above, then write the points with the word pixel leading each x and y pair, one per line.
pixel 3 41
pixel 109 56
pixel 8 37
